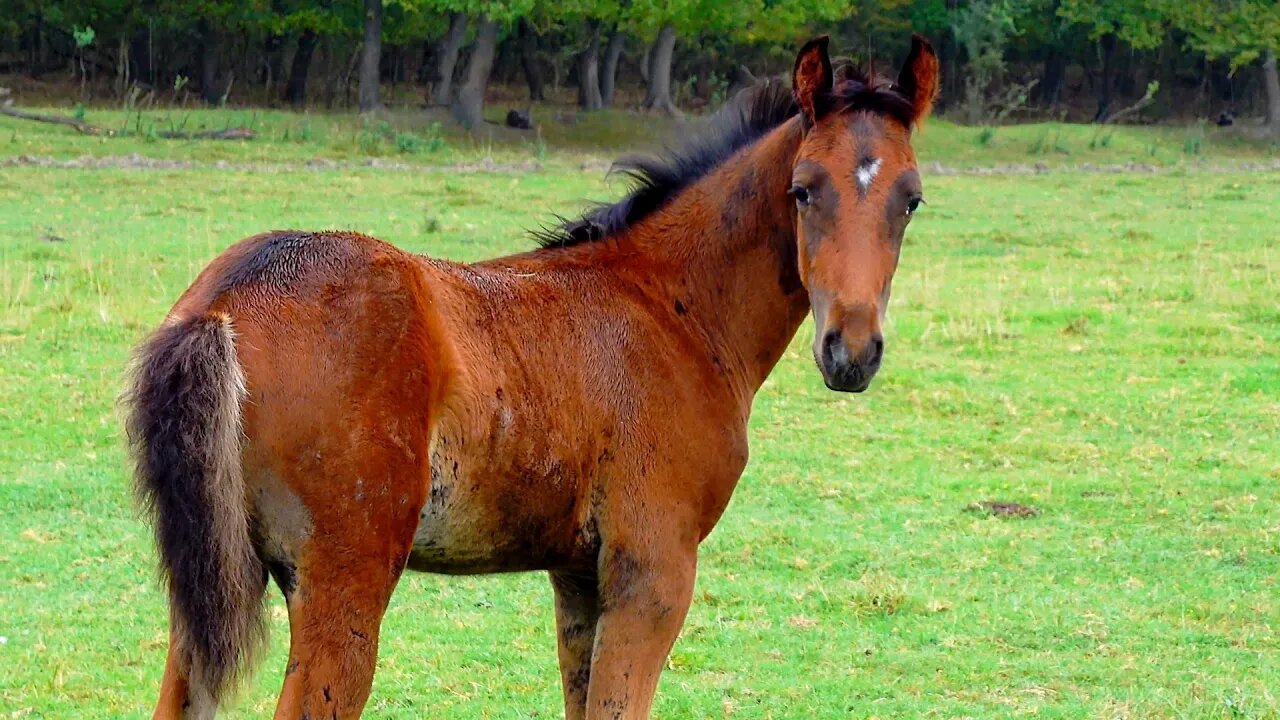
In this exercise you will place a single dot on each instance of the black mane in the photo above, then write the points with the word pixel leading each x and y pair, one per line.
pixel 753 112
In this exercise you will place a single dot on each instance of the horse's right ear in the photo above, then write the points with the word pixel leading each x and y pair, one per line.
pixel 811 80
pixel 918 80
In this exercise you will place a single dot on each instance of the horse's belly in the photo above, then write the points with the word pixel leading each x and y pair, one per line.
pixel 441 547
pixel 478 522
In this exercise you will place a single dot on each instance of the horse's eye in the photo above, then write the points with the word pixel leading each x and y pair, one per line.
pixel 913 204
pixel 801 194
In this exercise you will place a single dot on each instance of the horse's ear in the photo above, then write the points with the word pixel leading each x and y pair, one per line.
pixel 918 80
pixel 811 79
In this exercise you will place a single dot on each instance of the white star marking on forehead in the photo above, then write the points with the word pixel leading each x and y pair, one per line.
pixel 867 172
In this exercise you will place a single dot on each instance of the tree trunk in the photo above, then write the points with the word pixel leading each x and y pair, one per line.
pixel 423 73
pixel 392 65
pixel 331 70
pixel 1271 80
pixel 353 65
pixel 371 56
pixel 1055 71
pixel 468 106
pixel 1106 81
pixel 244 64
pixel 949 66
pixel 529 61
pixel 295 91
pixel 447 59
pixel 506 63
pixel 122 66
pixel 589 70
pixel 658 96
pixel 1125 82
pixel 41 48
pixel 140 55
pixel 609 73
pixel 1218 80
pixel 209 63
pixel 35 47
pixel 272 63
pixel 646 62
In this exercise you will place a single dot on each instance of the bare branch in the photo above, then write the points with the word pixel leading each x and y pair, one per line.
pixel 1153 87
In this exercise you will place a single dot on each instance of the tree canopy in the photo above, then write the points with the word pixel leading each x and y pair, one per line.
pixel 1040 53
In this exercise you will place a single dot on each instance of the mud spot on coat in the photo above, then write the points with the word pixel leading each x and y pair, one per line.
pixel 622 572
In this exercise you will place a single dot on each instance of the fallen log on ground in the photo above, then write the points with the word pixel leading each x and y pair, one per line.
pixel 84 128
pixel 81 126
pixel 235 133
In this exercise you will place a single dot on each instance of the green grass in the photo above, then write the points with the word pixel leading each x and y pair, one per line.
pixel 287 137
pixel 292 137
pixel 1101 347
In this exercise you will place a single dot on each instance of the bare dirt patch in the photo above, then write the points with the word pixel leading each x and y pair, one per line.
pixel 489 165
pixel 1003 509
pixel 142 162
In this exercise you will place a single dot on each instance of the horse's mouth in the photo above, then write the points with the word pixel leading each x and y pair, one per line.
pixel 846 378
pixel 844 385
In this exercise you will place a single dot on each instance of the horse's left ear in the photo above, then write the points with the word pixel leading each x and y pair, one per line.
pixel 918 80
pixel 811 80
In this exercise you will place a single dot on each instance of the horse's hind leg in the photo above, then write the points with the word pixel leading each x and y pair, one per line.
pixel 178 699
pixel 338 577
pixel 335 612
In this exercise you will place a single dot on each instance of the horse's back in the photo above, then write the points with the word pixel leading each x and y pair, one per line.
pixel 332 313
pixel 283 265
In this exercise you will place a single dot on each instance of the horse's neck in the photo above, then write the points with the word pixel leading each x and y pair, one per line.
pixel 732 246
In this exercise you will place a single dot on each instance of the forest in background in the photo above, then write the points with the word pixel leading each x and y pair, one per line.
pixel 1003 60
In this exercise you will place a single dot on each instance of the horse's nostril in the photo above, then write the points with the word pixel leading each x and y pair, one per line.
pixel 833 350
pixel 877 350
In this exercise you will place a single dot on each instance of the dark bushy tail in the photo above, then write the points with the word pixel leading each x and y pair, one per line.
pixel 184 431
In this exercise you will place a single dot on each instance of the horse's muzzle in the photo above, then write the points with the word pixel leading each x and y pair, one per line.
pixel 845 372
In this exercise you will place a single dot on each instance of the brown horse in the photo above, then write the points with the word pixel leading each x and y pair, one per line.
pixel 327 410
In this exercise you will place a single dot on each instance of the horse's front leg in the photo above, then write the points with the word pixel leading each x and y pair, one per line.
pixel 646 585
pixel 577 611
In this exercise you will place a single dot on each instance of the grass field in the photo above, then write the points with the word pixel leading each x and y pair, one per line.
pixel 1102 347
pixel 419 137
